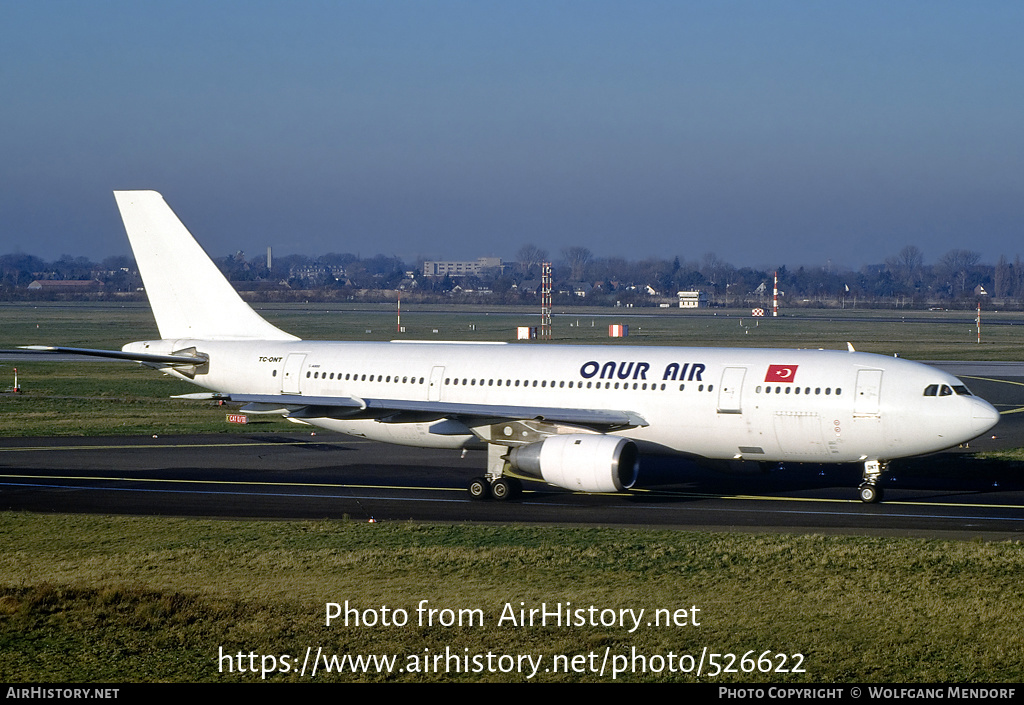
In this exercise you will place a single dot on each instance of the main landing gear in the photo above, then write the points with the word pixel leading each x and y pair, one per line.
pixel 501 489
pixel 869 491
pixel 495 485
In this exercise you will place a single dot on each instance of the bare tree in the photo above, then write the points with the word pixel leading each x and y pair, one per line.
pixel 530 256
pixel 955 267
pixel 577 258
pixel 906 268
pixel 1002 278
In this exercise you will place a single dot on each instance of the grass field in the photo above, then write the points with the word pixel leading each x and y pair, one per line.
pixel 142 599
pixel 126 599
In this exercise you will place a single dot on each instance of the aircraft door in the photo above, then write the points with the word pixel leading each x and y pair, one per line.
pixel 436 378
pixel 729 391
pixel 866 400
pixel 292 370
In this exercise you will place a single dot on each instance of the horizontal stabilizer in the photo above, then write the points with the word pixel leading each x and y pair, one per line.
pixel 120 355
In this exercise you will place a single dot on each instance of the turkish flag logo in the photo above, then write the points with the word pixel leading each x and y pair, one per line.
pixel 781 373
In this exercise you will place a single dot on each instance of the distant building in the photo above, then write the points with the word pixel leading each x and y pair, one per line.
pixel 317 271
pixel 65 285
pixel 460 269
pixel 692 299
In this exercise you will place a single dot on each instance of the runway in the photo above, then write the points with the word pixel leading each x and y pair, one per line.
pixel 307 476
pixel 315 477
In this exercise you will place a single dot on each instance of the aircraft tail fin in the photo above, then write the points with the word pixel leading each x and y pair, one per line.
pixel 189 296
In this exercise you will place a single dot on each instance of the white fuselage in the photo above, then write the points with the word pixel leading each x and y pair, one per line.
pixel 751 404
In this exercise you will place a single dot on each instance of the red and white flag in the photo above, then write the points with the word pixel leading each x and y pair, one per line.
pixel 781 373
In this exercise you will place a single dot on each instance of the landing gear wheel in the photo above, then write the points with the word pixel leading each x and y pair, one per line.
pixel 870 493
pixel 504 489
pixel 479 488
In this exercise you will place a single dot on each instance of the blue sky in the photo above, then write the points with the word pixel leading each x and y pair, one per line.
pixel 767 132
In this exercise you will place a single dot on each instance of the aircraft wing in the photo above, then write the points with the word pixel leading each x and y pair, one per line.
pixel 311 406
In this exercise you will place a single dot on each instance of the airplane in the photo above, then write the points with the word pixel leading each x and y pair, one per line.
pixel 575 416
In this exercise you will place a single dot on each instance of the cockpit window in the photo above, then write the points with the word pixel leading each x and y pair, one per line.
pixel 944 390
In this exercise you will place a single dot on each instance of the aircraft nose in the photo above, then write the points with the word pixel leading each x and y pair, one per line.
pixel 983 416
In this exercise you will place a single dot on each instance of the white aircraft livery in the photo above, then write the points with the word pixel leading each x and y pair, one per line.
pixel 575 416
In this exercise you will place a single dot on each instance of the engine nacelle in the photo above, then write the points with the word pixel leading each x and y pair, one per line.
pixel 578 461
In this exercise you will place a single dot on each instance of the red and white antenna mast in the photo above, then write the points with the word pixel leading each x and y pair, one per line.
pixel 775 296
pixel 545 301
pixel 978 321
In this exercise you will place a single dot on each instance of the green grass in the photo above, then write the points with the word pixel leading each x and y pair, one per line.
pixel 143 599
pixel 111 398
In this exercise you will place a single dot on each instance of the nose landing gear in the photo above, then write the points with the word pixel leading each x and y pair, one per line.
pixel 869 491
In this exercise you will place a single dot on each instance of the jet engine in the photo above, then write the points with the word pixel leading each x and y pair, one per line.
pixel 583 462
